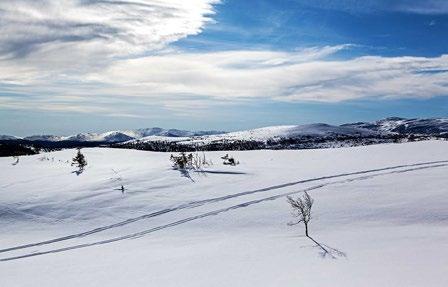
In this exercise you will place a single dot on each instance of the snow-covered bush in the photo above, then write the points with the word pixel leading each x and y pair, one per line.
pixel 185 161
pixel 182 161
pixel 229 160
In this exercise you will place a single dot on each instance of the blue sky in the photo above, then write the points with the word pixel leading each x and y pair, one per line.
pixel 289 24
pixel 78 66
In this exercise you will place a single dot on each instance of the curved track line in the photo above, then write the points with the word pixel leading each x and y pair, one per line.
pixel 198 203
pixel 211 213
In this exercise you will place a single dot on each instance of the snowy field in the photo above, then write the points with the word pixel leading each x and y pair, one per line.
pixel 381 213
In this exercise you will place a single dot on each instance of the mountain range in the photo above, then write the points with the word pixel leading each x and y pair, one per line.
pixel 389 130
pixel 113 136
pixel 434 127
pixel 384 127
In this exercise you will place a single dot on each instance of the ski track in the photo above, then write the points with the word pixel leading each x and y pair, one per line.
pixel 195 204
pixel 418 166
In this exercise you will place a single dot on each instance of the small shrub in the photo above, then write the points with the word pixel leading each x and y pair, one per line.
pixel 189 161
pixel 182 161
pixel 80 162
pixel 229 160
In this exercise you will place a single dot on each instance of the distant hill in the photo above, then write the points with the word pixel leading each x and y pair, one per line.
pixel 276 137
pixel 270 133
pixel 113 136
pixel 434 127
pixel 301 136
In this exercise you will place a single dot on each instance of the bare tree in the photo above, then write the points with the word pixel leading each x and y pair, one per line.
pixel 302 209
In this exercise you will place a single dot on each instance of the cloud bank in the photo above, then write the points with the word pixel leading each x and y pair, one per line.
pixel 294 76
pixel 231 76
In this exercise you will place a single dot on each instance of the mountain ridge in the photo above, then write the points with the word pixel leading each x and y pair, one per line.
pixel 113 136
pixel 383 127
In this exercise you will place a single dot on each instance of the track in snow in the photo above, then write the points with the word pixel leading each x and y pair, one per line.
pixel 194 204
pixel 418 166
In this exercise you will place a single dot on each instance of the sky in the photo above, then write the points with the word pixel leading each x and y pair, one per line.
pixel 69 66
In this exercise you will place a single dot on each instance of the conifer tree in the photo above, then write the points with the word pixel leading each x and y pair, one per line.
pixel 79 161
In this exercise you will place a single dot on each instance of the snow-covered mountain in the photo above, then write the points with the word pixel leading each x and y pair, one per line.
pixel 273 133
pixel 115 136
pixel 49 138
pixel 276 137
pixel 300 136
pixel 6 138
pixel 385 127
pixel 284 132
pixel 406 126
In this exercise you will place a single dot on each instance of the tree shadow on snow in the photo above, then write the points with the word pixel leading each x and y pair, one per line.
pixel 219 172
pixel 326 251
pixel 185 173
pixel 78 172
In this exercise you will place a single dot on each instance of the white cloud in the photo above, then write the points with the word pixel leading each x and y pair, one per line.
pixel 173 79
pixel 373 6
pixel 99 55
pixel 433 7
pixel 97 29
pixel 279 76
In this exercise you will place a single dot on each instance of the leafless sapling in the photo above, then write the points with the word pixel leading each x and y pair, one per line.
pixel 302 210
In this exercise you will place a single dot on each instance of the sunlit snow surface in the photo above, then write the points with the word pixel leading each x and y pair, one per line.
pixel 380 212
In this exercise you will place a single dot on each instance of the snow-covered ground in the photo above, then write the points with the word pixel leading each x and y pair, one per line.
pixel 268 133
pixel 380 211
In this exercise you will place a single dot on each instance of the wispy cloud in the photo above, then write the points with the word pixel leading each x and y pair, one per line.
pixel 97 29
pixel 48 47
pixel 170 80
pixel 92 56
pixel 369 6
pixel 433 7
pixel 281 76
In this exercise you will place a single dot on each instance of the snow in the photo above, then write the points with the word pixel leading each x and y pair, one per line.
pixel 321 130
pixel 161 139
pixel 394 125
pixel 264 134
pixel 7 137
pixel 382 210
pixel 44 138
pixel 388 126
pixel 271 133
pixel 118 136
